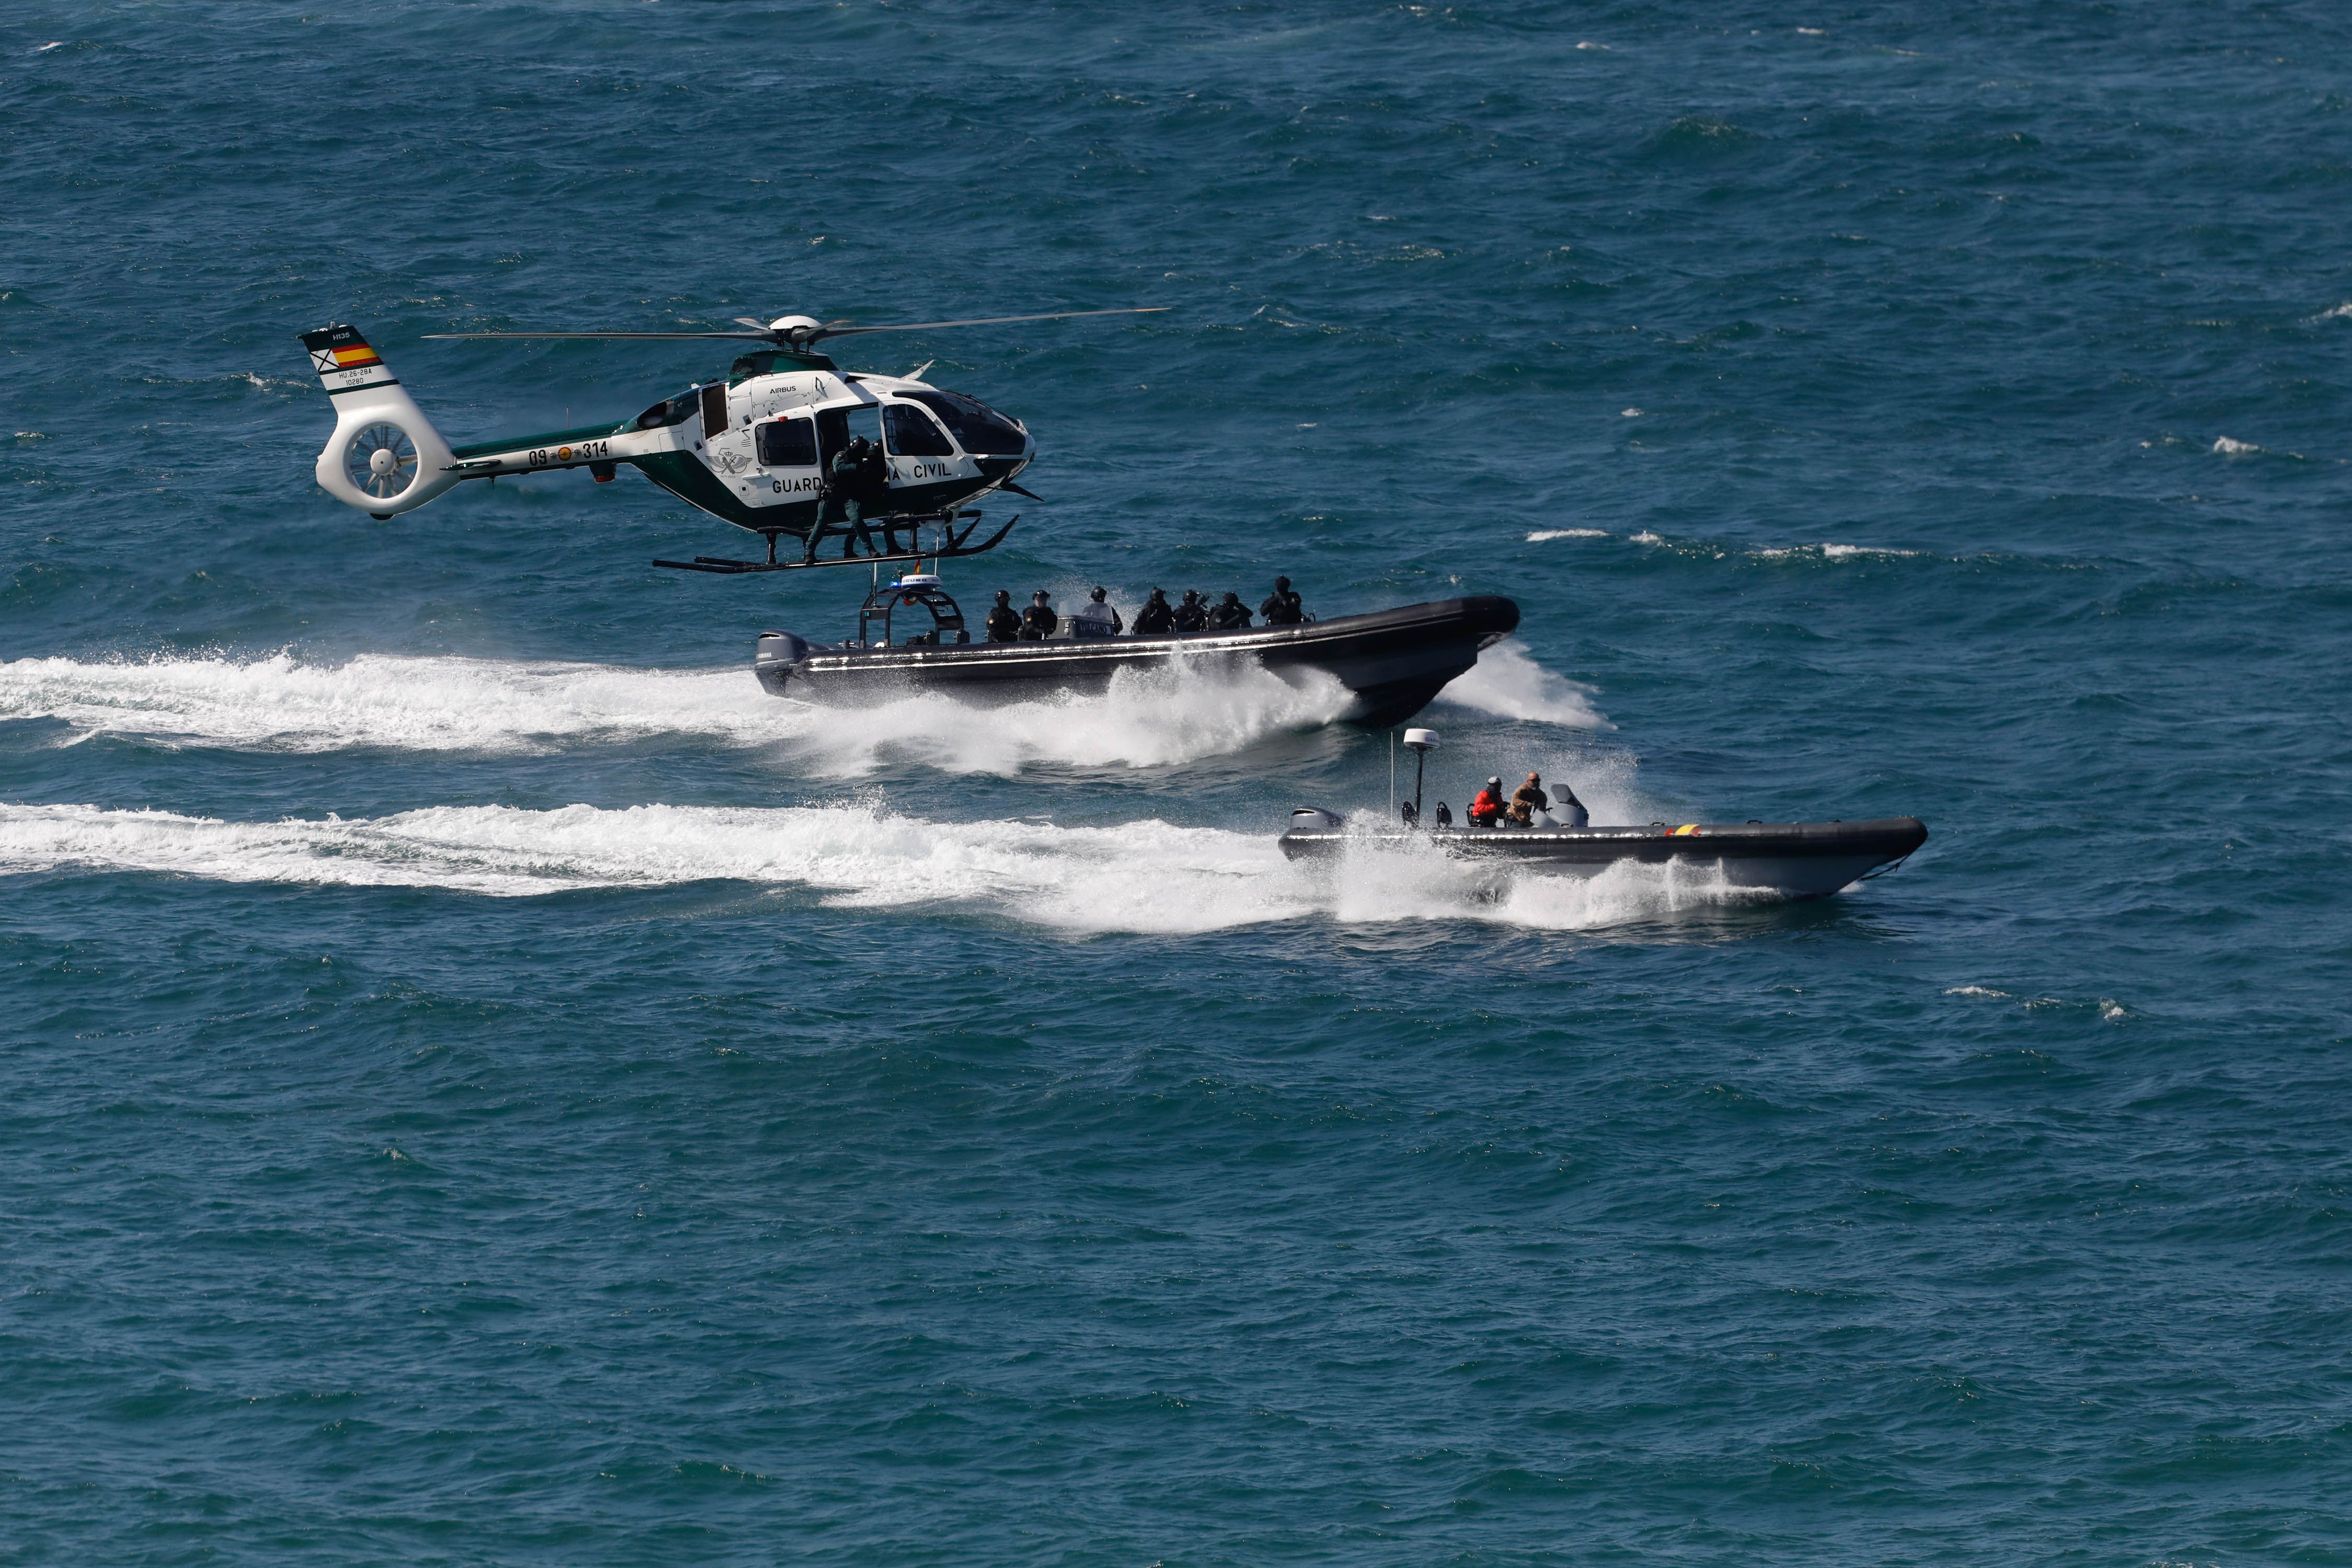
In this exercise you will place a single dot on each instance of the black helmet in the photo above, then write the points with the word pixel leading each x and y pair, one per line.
pixel 1495 783
pixel 1041 594
pixel 1004 597
pixel 1232 597
pixel 1191 594
pixel 1282 585
pixel 1099 594
pixel 1158 596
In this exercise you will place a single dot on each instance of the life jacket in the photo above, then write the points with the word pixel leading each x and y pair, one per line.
pixel 1485 808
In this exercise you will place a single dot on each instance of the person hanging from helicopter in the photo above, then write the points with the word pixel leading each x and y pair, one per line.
pixel 844 502
pixel 1282 607
pixel 1155 619
pixel 1193 615
pixel 874 491
pixel 1004 620
pixel 1229 615
pixel 1097 618
pixel 1038 621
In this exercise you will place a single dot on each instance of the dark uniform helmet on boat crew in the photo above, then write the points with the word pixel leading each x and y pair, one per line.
pixel 1282 585
pixel 1004 597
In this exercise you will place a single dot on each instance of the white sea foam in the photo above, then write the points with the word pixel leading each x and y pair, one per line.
pixel 2226 447
pixel 1646 537
pixel 1834 553
pixel 1541 534
pixel 283 703
pixel 1145 877
pixel 2342 310
pixel 1508 683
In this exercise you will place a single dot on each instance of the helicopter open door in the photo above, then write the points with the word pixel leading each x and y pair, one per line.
pixel 835 427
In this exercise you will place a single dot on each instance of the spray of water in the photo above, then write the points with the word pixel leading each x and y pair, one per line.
pixel 1507 683
pixel 492 706
pixel 1145 877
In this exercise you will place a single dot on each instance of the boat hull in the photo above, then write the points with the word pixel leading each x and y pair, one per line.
pixel 1793 859
pixel 1393 661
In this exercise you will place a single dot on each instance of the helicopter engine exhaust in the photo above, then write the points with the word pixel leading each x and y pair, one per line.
pixel 384 457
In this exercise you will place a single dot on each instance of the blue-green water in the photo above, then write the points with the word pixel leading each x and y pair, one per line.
pixel 480 1083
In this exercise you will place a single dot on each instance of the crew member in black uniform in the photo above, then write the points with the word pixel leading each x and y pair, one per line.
pixel 1004 620
pixel 1191 616
pixel 1155 619
pixel 1282 607
pixel 1231 615
pixel 854 467
pixel 1038 621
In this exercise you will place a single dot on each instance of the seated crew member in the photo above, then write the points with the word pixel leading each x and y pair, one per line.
pixel 1529 799
pixel 1231 615
pixel 1004 620
pixel 1038 621
pixel 1155 619
pixel 1191 616
pixel 1098 618
pixel 1282 607
pixel 1488 804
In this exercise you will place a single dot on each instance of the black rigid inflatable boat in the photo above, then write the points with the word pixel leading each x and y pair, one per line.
pixel 911 637
pixel 1795 859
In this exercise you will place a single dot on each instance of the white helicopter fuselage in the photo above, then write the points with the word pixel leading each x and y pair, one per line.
pixel 758 448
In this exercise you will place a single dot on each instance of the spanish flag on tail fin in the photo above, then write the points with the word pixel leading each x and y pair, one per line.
pixel 343 360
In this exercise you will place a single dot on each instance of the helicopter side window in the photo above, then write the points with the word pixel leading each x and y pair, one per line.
pixel 714 411
pixel 912 434
pixel 787 443
pixel 980 429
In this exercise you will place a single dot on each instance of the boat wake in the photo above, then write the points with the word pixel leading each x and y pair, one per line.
pixel 1144 876
pixel 491 706
pixel 282 703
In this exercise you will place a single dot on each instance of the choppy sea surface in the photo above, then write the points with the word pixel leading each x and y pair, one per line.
pixel 480 1083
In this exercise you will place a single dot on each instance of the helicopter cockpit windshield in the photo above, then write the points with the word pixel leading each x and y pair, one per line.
pixel 978 428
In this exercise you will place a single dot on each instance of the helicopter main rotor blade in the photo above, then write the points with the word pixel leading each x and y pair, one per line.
pixel 762 336
pixel 804 337
pixel 841 331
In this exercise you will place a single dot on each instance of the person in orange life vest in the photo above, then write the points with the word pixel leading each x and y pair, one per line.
pixel 1488 804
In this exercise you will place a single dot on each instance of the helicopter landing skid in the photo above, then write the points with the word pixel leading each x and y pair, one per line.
pixel 952 547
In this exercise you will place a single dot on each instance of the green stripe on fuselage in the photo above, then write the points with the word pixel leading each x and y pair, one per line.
pixel 552 439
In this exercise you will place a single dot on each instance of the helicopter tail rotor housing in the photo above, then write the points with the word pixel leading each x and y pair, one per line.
pixel 384 457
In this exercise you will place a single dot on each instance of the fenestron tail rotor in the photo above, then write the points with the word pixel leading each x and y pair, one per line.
pixel 807 331
pixel 381 460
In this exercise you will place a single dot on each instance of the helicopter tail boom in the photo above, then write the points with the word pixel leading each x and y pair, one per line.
pixel 384 457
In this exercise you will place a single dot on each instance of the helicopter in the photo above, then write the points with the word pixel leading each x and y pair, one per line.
pixel 757 449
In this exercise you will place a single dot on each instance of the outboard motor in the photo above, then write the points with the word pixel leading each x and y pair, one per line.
pixel 775 657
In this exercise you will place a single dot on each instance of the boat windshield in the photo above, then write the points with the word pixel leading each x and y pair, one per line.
pixel 978 428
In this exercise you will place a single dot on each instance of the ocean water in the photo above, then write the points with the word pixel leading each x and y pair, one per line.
pixel 480 1083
